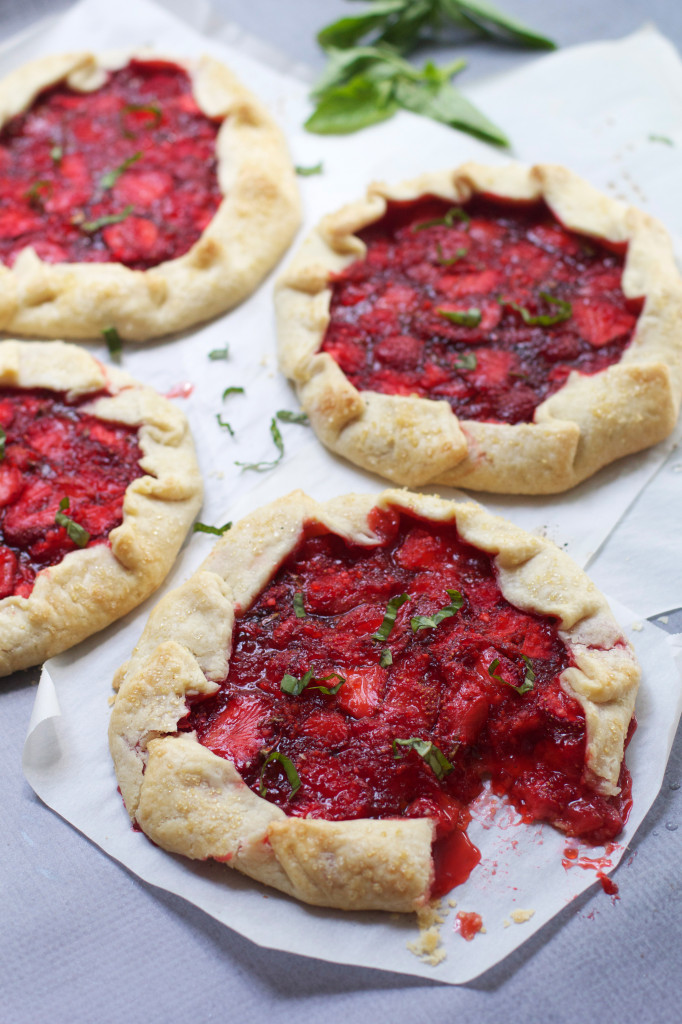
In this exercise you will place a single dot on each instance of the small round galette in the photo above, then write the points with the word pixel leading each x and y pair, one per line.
pixel 505 329
pixel 321 702
pixel 137 193
pixel 99 484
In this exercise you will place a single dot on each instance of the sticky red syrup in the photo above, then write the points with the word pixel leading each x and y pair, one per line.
pixel 392 331
pixel 53 450
pixel 599 865
pixel 126 173
pixel 453 686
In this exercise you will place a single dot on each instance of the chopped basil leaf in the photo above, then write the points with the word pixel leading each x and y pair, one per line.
pixel 389 617
pixel 114 343
pixel 329 691
pixel 292 774
pixel 217 531
pixel 232 391
pixel 224 423
pixel 109 179
pixel 528 680
pixel 140 108
pixel 455 213
pixel 307 172
pixel 662 138
pixel 462 317
pixel 219 353
pixel 428 751
pixel 468 361
pixel 3 439
pixel 459 255
pixel 286 416
pixel 77 533
pixel 279 444
pixel 290 684
pixel 564 311
pixel 113 218
pixel 38 191
pixel 299 610
pixel 386 658
pixel 431 621
pixel 56 153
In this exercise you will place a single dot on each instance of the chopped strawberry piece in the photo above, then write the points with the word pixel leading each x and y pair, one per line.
pixel 493 365
pixel 360 695
pixel 10 484
pixel 457 286
pixel 602 322
pixel 327 727
pixel 237 733
pixel 399 351
pixel 142 188
pixel 132 239
pixel 8 571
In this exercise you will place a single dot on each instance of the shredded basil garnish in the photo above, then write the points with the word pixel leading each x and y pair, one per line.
pixel 279 444
pixel 290 684
pixel 299 610
pixel 114 343
pixel 528 680
pixel 56 153
pixel 232 391
pixel 286 416
pixel 3 439
pixel 35 193
pixel 662 138
pixel 219 353
pixel 431 621
pixel 224 423
pixel 455 213
pixel 463 317
pixel 140 108
pixel 389 617
pixel 292 774
pixel 109 179
pixel 112 218
pixel 306 172
pixel 459 255
pixel 467 361
pixel 217 531
pixel 428 751
pixel 386 658
pixel 78 534
pixel 564 311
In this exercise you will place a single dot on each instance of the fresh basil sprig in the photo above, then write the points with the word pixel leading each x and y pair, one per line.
pixel 77 533
pixel 293 777
pixel 367 79
pixel 564 311
pixel 431 621
pixel 528 679
pixel 217 531
pixel 279 445
pixel 389 617
pixel 428 751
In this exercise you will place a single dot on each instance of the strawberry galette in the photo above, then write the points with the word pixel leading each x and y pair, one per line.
pixel 136 193
pixel 504 329
pixel 98 486
pixel 320 703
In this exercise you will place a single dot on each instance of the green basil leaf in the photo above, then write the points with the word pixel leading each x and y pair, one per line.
pixel 389 617
pixel 299 610
pixel 665 139
pixel 330 691
pixel 232 391
pixel 114 343
pixel 485 17
pixel 451 217
pixel 77 533
pixel 140 108
pixel 404 31
pixel 217 531
pixel 343 65
pixel 346 31
pixel 386 658
pixel 290 684
pixel 279 444
pixel 468 361
pixel 459 255
pixel 307 172
pixel 431 621
pixel 285 416
pixel 56 154
pixel 292 775
pixel 564 311
pixel 109 179
pixel 219 353
pixel 90 226
pixel 347 108
pixel 428 751
pixel 462 317
pixel 38 192
pixel 224 423
pixel 445 103
pixel 3 441
pixel 528 681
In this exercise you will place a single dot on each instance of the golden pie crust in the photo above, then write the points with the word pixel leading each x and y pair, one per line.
pixel 191 801
pixel 249 232
pixel 586 424
pixel 92 587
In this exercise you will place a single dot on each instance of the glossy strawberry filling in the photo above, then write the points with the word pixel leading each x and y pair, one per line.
pixel 424 713
pixel 126 173
pixel 52 451
pixel 489 307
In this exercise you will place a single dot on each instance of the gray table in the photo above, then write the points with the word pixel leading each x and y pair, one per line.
pixel 82 940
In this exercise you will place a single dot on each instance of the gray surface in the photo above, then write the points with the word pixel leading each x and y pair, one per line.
pixel 82 940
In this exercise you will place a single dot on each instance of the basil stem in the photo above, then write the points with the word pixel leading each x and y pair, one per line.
pixel 431 621
pixel 443 262
pixel 389 617
pixel 428 751
pixel 292 775
pixel 77 533
pixel 468 361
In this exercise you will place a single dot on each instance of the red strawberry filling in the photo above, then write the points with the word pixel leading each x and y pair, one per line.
pixel 53 451
pixel 126 173
pixel 427 710
pixel 488 308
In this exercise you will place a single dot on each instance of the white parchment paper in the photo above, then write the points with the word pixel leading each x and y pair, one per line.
pixel 592 108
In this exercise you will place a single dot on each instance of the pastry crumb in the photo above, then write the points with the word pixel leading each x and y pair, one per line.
pixel 452 903
pixel 637 626
pixel 427 946
pixel 506 923
pixel 664 619
pixel 521 916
